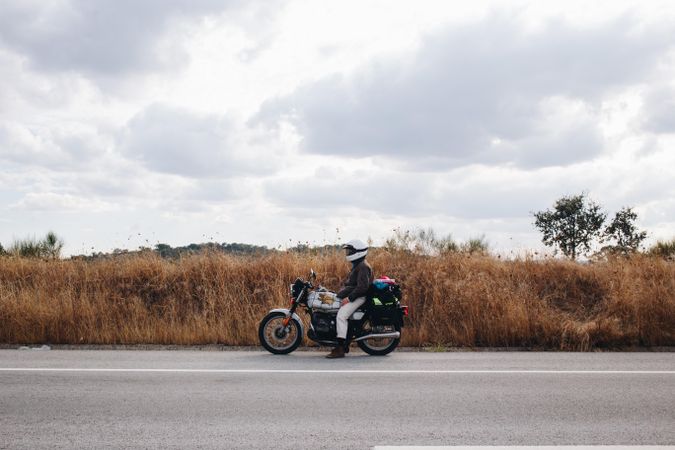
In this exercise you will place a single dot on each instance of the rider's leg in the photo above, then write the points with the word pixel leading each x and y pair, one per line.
pixel 343 316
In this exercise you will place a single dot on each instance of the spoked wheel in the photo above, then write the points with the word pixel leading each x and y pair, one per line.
pixel 277 338
pixel 381 346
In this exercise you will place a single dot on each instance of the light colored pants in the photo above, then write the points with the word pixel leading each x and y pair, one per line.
pixel 344 313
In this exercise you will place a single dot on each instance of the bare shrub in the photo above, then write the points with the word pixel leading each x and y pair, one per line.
pixel 455 298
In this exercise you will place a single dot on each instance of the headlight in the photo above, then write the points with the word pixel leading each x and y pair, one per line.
pixel 297 287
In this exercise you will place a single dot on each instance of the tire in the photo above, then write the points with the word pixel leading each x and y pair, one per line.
pixel 274 339
pixel 380 350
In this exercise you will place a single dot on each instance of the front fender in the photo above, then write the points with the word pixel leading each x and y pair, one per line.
pixel 287 312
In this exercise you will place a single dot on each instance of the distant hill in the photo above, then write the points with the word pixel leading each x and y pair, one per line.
pixel 234 248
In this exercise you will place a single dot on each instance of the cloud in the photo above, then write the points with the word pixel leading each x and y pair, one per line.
pixel 659 106
pixel 384 191
pixel 470 193
pixel 105 37
pixel 564 133
pixel 475 192
pixel 57 202
pixel 174 140
pixel 488 92
pixel 55 149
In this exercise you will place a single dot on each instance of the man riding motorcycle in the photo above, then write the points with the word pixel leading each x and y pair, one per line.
pixel 353 294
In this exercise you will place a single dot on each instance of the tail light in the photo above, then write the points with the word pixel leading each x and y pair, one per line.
pixel 405 310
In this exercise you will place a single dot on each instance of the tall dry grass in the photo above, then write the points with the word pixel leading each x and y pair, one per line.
pixel 455 299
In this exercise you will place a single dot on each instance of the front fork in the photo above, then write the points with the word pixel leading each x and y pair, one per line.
pixel 291 310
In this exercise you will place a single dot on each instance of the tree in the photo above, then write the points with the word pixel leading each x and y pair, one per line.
pixel 52 245
pixel 624 233
pixel 164 250
pixel 573 224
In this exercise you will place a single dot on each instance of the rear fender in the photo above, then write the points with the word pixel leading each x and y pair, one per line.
pixel 287 313
pixel 358 315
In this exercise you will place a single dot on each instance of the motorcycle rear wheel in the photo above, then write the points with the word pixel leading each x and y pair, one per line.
pixel 380 347
pixel 277 339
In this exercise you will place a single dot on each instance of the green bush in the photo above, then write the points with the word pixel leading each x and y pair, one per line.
pixel 664 249
pixel 476 246
pixel 50 247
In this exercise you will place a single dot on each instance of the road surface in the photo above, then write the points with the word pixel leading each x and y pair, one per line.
pixel 252 399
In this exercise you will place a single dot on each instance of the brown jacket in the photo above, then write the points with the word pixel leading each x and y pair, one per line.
pixel 358 282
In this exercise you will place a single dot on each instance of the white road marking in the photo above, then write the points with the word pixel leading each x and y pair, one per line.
pixel 337 371
pixel 528 447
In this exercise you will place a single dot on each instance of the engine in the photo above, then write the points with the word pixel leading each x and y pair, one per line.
pixel 324 325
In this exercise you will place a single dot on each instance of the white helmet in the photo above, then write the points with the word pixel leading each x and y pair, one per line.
pixel 355 249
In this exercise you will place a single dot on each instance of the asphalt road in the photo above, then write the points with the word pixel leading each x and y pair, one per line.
pixel 193 399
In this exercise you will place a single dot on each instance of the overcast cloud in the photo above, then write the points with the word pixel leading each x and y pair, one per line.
pixel 130 123
pixel 490 92
pixel 174 141
pixel 105 37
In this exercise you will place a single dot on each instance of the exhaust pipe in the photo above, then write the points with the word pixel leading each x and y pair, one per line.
pixel 393 334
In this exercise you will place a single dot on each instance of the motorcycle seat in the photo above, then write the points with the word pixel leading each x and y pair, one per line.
pixel 361 310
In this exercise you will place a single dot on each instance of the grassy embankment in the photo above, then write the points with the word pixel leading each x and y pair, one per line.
pixel 455 300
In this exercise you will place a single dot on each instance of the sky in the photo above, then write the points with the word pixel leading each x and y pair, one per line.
pixel 127 123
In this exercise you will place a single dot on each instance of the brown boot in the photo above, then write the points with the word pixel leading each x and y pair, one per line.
pixel 338 352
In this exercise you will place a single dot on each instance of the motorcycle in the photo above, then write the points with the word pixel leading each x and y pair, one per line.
pixel 375 326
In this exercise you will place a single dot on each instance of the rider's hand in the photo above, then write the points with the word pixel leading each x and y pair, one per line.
pixel 344 301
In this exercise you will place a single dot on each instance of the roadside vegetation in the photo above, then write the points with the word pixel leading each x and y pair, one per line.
pixel 462 298
pixel 664 249
pixel 459 294
pixel 49 247
pixel 578 226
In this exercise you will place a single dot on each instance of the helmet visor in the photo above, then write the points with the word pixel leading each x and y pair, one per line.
pixel 349 250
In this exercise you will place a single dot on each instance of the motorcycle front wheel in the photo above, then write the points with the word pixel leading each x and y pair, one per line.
pixel 379 347
pixel 275 337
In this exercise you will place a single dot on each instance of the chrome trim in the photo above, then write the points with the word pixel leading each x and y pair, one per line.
pixel 393 334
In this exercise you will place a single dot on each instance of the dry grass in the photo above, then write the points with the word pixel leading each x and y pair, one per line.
pixel 455 299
